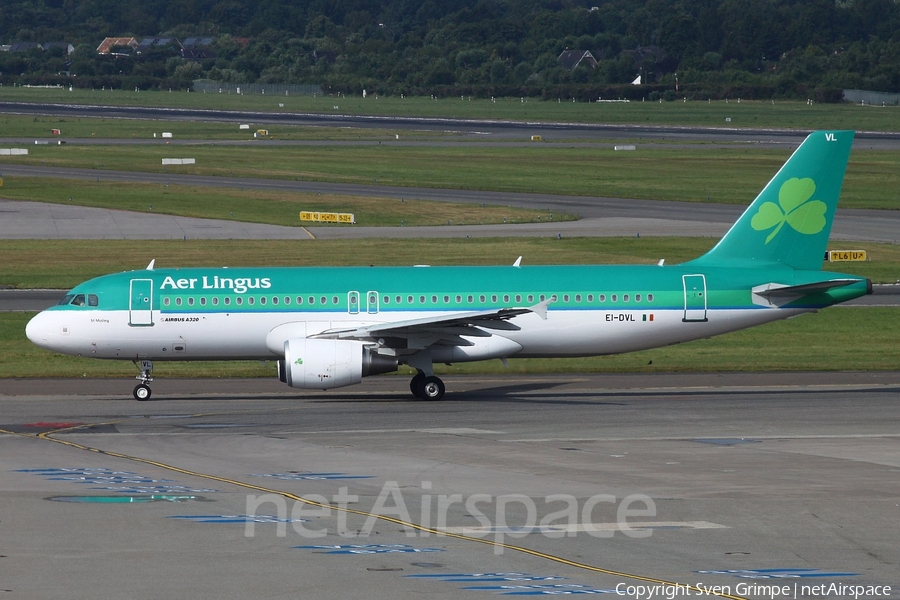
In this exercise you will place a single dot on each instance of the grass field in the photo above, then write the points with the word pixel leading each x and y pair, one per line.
pixel 730 175
pixel 791 115
pixel 61 264
pixel 857 339
pixel 31 128
pixel 256 206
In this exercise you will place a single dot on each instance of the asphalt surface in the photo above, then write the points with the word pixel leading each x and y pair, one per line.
pixel 708 480
pixel 496 128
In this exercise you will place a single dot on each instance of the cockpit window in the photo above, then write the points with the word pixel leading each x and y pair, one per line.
pixel 93 300
pixel 65 299
pixel 78 300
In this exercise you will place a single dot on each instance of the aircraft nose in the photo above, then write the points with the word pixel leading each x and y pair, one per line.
pixel 38 330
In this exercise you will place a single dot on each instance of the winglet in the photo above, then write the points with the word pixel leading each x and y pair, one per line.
pixel 518 262
pixel 150 266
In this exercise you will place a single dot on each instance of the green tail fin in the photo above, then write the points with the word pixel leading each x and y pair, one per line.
pixel 790 221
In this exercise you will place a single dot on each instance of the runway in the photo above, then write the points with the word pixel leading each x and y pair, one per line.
pixel 649 480
pixel 493 127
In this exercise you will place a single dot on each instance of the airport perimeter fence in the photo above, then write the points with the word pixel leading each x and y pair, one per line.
pixel 274 89
pixel 872 98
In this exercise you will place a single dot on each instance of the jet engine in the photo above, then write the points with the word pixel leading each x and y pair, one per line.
pixel 315 364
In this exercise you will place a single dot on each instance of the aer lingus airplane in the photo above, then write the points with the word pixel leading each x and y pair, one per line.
pixel 330 327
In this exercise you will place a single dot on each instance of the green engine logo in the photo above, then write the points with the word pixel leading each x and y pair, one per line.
pixel 794 208
pixel 299 361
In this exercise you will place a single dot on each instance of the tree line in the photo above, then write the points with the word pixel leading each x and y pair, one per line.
pixel 699 48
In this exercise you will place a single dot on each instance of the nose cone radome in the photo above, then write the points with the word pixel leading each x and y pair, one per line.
pixel 39 331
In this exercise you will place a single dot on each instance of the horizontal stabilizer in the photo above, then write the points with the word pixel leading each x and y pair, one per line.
pixel 778 294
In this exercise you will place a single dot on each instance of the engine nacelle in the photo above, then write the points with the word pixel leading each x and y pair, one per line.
pixel 315 364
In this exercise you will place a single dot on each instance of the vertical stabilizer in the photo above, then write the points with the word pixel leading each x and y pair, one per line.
pixel 790 221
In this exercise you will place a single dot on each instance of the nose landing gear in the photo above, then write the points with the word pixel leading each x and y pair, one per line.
pixel 142 390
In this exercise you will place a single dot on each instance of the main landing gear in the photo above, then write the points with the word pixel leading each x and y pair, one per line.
pixel 142 390
pixel 427 387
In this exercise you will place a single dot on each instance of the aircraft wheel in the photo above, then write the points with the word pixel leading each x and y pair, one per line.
pixel 432 389
pixel 415 385
pixel 142 392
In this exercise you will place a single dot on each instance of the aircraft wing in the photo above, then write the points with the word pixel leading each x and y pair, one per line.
pixel 446 329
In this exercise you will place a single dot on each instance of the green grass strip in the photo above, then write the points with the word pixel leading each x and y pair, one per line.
pixel 733 175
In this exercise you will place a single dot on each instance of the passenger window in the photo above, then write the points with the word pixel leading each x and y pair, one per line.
pixel 421 299
pixel 250 300
pixel 505 298
pixel 202 301
pixel 602 297
pixel 471 298
pixel 167 301
pixel 190 301
pixel 238 300
pixel 434 299
pixel 287 299
pixel 446 299
pixel 177 301
pixel 615 298
pixel 459 299
pixel 493 297
pixel 399 299
pixel 334 299
pixel 215 301
pixel 409 299
pixel 590 298
pixel 481 298
pixel 227 300
pixel 518 298
pixel 625 298
pixel 637 297
pixel 531 298
pixel 565 298
pixel 274 299
pixel 649 297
